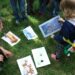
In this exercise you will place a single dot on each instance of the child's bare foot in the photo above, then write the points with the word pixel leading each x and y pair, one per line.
pixel 53 56
pixel 6 52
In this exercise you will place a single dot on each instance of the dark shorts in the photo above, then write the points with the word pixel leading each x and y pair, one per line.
pixel 60 40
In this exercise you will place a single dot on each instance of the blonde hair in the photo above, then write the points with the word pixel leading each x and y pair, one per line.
pixel 68 8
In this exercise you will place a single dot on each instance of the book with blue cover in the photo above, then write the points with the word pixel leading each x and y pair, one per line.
pixel 29 33
pixel 50 27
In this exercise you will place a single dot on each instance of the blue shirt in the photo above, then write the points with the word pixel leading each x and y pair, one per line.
pixel 68 31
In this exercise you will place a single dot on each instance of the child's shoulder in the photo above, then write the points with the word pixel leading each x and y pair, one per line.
pixel 68 23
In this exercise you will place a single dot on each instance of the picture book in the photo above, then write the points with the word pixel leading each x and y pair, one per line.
pixel 29 33
pixel 26 66
pixel 40 57
pixel 50 27
pixel 11 38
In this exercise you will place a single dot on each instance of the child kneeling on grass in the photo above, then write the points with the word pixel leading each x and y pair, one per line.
pixel 68 28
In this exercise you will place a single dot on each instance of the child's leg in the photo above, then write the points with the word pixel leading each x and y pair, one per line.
pixel 60 47
pixel 15 8
pixel 58 53
pixel 60 40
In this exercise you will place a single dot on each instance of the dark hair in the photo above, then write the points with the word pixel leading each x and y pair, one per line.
pixel 68 8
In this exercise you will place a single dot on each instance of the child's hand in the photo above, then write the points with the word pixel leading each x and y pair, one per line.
pixel 6 52
pixel 1 25
pixel 52 36
pixel 61 20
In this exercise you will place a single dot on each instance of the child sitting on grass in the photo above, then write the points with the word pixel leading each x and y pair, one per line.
pixel 3 52
pixel 68 28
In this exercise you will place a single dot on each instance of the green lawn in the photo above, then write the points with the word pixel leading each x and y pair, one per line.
pixel 24 47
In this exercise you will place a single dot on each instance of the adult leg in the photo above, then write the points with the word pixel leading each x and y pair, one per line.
pixel 55 7
pixel 30 6
pixel 15 8
pixel 22 8
pixel 43 4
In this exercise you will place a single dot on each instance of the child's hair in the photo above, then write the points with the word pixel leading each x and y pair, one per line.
pixel 68 8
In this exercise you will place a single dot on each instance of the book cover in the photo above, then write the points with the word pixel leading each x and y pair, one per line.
pixel 50 27
pixel 29 33
pixel 26 66
pixel 11 38
pixel 40 57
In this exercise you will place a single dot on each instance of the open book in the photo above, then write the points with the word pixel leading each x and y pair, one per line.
pixel 26 66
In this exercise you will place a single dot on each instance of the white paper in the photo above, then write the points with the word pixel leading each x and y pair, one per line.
pixel 24 63
pixel 50 27
pixel 29 33
pixel 40 57
pixel 9 41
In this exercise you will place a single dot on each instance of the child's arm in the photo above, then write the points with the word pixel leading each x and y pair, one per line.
pixel 67 40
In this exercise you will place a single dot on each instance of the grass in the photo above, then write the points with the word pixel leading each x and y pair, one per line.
pixel 24 47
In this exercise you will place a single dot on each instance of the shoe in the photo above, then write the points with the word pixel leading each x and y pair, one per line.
pixel 53 56
pixel 17 22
